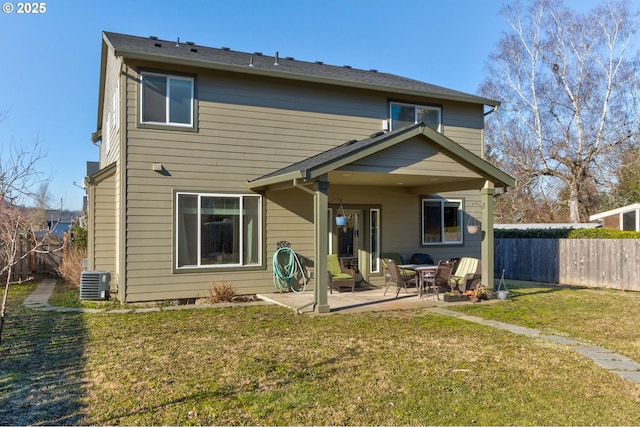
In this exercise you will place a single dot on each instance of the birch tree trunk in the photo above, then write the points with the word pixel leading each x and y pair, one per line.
pixel 568 84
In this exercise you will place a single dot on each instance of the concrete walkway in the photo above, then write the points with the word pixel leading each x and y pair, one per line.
pixel 615 363
pixel 39 300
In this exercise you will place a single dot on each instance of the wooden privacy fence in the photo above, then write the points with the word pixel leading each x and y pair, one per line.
pixel 602 263
pixel 36 264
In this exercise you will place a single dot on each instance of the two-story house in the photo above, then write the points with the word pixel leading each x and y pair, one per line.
pixel 209 157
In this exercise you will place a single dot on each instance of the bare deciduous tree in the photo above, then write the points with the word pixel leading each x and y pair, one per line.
pixel 627 189
pixel 20 181
pixel 568 82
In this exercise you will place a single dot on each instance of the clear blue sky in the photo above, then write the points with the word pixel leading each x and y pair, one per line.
pixel 49 63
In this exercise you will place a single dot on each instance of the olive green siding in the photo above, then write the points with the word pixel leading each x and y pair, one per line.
pixel 412 157
pixel 400 218
pixel 246 128
pixel 112 113
pixel 102 244
pixel 400 213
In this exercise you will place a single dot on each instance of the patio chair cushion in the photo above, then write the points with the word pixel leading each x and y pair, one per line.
pixel 398 259
pixel 394 256
pixel 466 271
pixel 333 265
pixel 422 259
pixel 339 275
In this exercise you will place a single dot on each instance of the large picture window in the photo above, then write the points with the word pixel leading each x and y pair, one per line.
pixel 166 100
pixel 403 115
pixel 441 221
pixel 218 230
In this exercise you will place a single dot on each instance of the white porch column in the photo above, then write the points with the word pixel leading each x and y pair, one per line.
pixel 321 208
pixel 487 193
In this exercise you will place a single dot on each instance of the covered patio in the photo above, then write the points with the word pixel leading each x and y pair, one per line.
pixel 370 299
pixel 410 162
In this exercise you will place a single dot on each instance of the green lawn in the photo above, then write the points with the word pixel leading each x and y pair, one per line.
pixel 603 317
pixel 267 366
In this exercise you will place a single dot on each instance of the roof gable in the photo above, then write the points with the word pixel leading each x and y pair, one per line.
pixel 353 152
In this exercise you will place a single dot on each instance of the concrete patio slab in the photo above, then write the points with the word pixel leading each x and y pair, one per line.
pixel 370 299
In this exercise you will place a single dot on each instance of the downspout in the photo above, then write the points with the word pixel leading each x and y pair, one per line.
pixel 299 186
pixel 493 110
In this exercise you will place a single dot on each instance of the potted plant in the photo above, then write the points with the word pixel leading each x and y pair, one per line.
pixel 473 225
pixel 341 218
pixel 455 297
pixel 502 290
pixel 474 295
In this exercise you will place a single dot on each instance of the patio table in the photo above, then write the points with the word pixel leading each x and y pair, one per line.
pixel 423 271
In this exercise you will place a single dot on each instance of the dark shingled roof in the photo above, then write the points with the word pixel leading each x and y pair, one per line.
pixel 343 154
pixel 222 58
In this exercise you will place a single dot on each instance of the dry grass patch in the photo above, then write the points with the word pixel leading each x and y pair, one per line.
pixel 71 268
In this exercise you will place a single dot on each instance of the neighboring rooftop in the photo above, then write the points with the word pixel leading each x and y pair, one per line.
pixel 188 53
pixel 624 209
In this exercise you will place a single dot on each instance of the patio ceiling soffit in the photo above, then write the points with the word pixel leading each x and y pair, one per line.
pixel 310 169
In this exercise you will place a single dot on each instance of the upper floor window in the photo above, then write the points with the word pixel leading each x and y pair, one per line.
pixel 166 100
pixel 441 221
pixel 403 115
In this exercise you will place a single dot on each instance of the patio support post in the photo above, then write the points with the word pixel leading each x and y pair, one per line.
pixel 487 193
pixel 321 207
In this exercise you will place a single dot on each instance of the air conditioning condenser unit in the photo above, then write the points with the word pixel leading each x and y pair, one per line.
pixel 94 285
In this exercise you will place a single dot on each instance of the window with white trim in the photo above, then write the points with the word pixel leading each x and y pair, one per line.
pixel 166 100
pixel 403 115
pixel 218 230
pixel 441 221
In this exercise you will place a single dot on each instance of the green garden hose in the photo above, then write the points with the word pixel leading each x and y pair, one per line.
pixel 283 272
